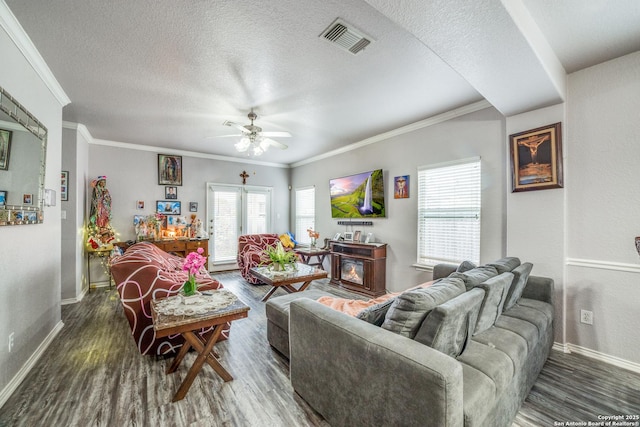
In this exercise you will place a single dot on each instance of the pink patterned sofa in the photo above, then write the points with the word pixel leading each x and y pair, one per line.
pixel 250 249
pixel 146 272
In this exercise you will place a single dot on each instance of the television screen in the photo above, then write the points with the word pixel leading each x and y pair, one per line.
pixel 358 196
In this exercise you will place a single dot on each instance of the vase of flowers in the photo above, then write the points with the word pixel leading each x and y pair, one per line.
pixel 192 264
pixel 313 237
pixel 279 257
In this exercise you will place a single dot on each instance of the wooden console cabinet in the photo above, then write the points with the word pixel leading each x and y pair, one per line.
pixel 359 267
pixel 178 247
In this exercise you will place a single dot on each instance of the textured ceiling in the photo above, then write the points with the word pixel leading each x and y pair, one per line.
pixel 167 73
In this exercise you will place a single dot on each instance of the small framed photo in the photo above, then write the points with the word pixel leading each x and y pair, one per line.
pixel 27 199
pixel 168 207
pixel 171 193
pixel 193 206
pixel 348 236
pixel 356 235
pixel 3 197
pixel 140 205
pixel 370 238
pixel 64 186
pixel 169 170
pixel 31 217
pixel 138 219
pixel 536 158
pixel 401 187
pixel 5 148
pixel 336 236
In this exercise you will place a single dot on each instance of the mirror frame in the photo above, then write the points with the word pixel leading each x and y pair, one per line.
pixel 21 214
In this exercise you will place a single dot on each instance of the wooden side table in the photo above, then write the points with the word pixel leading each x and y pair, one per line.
pixel 103 256
pixel 170 316
pixel 306 254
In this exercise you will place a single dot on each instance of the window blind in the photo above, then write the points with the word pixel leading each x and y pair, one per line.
pixel 305 213
pixel 449 204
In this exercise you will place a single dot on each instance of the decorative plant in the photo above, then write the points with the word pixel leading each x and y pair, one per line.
pixel 279 256
pixel 192 263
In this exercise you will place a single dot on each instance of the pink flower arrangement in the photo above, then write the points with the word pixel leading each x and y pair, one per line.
pixel 192 263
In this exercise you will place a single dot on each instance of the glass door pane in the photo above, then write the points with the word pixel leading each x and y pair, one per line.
pixel 257 212
pixel 224 224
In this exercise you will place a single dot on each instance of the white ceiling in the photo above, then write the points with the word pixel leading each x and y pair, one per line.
pixel 167 73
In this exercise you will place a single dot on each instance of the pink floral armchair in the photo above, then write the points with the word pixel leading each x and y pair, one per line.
pixel 146 272
pixel 250 249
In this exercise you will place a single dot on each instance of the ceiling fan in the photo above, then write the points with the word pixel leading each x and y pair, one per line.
pixel 253 139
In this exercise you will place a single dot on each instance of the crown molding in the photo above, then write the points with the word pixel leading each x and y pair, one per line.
pixel 603 265
pixel 451 114
pixel 22 41
pixel 164 150
pixel 80 128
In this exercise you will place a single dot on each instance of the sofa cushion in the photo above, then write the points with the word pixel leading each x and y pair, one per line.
pixel 527 330
pixel 510 343
pixel 475 276
pixel 376 313
pixel 521 275
pixel 277 309
pixel 536 317
pixel 479 395
pixel 541 306
pixel 409 309
pixel 465 266
pixel 449 326
pixel 494 298
pixel 504 265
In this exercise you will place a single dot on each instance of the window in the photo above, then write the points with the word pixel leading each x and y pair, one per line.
pixel 449 197
pixel 305 213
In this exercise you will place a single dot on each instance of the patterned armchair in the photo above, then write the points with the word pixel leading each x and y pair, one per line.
pixel 146 272
pixel 250 249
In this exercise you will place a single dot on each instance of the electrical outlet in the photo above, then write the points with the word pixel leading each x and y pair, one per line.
pixel 586 316
pixel 11 341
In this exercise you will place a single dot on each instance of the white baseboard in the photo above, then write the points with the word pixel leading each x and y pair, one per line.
pixel 602 357
pixel 75 300
pixel 26 368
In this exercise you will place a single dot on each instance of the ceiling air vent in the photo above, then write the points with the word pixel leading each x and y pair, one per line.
pixel 346 37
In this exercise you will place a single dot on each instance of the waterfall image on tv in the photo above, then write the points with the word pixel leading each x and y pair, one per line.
pixel 358 196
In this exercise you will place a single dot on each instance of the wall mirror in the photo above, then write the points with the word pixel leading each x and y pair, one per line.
pixel 23 149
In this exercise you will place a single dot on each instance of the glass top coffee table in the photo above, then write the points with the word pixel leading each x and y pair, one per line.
pixel 299 273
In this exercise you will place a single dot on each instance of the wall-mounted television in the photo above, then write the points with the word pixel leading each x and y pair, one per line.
pixel 358 196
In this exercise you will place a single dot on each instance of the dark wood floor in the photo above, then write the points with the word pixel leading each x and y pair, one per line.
pixel 93 375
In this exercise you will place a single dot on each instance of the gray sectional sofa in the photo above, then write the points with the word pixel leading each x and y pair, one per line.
pixel 463 351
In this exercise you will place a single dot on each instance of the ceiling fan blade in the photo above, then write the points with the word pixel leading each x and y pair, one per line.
pixel 275 143
pixel 276 134
pixel 236 125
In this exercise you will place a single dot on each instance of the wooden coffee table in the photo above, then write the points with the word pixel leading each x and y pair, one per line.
pixel 171 317
pixel 302 273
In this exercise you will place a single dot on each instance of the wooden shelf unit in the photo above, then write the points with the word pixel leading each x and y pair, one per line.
pixel 359 267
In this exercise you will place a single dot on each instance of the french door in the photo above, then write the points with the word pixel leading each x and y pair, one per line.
pixel 233 210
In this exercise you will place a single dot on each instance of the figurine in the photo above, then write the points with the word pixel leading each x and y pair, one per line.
pixel 200 231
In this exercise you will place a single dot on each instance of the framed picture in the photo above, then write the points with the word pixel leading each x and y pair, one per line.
pixel 168 207
pixel 138 219
pixel 193 206
pixel 170 192
pixel 3 197
pixel 336 236
pixel 370 238
pixel 27 199
pixel 401 187
pixel 169 170
pixel 64 186
pixel 536 158
pixel 348 236
pixel 5 148
pixel 356 236
pixel 140 205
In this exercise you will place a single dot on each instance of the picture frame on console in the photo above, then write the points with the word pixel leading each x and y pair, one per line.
pixel 536 158
pixel 3 197
pixel 169 170
pixel 347 236
pixel 356 236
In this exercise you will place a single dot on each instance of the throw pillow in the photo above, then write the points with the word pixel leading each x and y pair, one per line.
pixel 408 310
pixel 493 301
pixel 449 326
pixel 520 277
pixel 465 266
pixel 474 277
pixel 504 265
pixel 376 313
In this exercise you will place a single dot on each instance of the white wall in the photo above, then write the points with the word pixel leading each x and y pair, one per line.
pixel 29 254
pixel 133 175
pixel 476 134
pixel 603 271
pixel 536 219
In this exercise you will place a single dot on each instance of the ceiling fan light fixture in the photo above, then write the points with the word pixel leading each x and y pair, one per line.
pixel 243 145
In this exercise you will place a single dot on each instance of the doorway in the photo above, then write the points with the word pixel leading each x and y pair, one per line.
pixel 233 210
